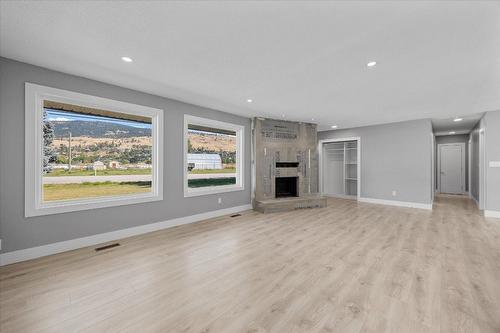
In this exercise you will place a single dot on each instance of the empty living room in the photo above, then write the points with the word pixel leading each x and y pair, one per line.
pixel 249 166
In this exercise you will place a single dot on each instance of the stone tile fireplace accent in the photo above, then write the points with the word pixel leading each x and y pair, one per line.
pixel 285 166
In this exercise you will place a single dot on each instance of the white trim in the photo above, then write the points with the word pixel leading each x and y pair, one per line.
pixel 320 161
pixel 240 156
pixel 252 161
pixel 341 196
pixel 483 169
pixel 433 166
pixel 469 165
pixel 397 203
pixel 49 249
pixel 492 213
pixel 34 97
pixel 462 166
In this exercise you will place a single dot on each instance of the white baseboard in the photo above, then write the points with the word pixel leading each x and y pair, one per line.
pixel 341 196
pixel 73 244
pixel 396 203
pixel 492 213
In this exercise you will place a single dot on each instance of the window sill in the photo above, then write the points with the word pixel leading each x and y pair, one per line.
pixel 194 192
pixel 58 207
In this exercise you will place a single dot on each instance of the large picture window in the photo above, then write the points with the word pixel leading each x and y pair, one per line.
pixel 86 152
pixel 213 159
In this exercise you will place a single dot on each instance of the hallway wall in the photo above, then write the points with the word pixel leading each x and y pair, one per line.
pixel 492 174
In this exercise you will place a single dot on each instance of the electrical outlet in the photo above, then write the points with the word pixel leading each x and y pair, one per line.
pixel 494 164
pixel 219 201
pixel 394 193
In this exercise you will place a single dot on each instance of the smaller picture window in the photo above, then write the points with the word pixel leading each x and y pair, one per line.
pixel 213 158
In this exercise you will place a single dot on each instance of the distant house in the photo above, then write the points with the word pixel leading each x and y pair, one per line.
pixel 143 165
pixel 59 166
pixel 98 165
pixel 204 161
pixel 114 165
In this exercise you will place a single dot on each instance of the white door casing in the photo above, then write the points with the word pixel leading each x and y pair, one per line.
pixel 324 189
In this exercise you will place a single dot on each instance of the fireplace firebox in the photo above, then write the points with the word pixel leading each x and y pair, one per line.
pixel 286 187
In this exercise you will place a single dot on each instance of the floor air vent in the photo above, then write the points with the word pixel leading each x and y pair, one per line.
pixel 235 215
pixel 105 247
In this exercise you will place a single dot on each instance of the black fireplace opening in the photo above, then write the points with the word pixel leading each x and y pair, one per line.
pixel 286 187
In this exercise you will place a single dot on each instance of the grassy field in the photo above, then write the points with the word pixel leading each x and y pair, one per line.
pixel 211 182
pixel 52 192
pixel 107 172
pixel 208 171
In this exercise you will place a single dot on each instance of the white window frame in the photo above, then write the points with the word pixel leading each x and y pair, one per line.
pixel 34 204
pixel 240 144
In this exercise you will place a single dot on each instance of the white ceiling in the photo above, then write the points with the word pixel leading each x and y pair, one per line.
pixel 301 59
pixel 446 125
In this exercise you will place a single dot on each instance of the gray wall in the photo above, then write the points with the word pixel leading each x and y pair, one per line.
pixel 455 139
pixel 492 140
pixel 474 159
pixel 396 156
pixel 18 232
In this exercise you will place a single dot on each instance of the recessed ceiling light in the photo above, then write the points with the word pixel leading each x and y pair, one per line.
pixel 458 119
pixel 334 126
pixel 249 100
pixel 371 63
pixel 452 132
pixel 127 59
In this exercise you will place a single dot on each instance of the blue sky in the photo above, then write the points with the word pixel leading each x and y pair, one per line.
pixel 58 115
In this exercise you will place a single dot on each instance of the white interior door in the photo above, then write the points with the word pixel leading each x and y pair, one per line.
pixel 451 170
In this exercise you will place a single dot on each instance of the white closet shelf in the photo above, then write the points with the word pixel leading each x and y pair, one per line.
pixel 353 179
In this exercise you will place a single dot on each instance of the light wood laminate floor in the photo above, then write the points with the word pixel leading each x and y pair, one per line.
pixel 350 267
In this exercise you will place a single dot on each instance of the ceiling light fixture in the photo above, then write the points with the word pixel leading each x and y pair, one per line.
pixel 249 100
pixel 334 126
pixel 452 132
pixel 371 63
pixel 127 59
pixel 458 119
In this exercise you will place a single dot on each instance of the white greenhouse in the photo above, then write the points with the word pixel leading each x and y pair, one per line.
pixel 204 161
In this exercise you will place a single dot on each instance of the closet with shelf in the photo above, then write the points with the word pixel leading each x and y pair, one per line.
pixel 340 169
